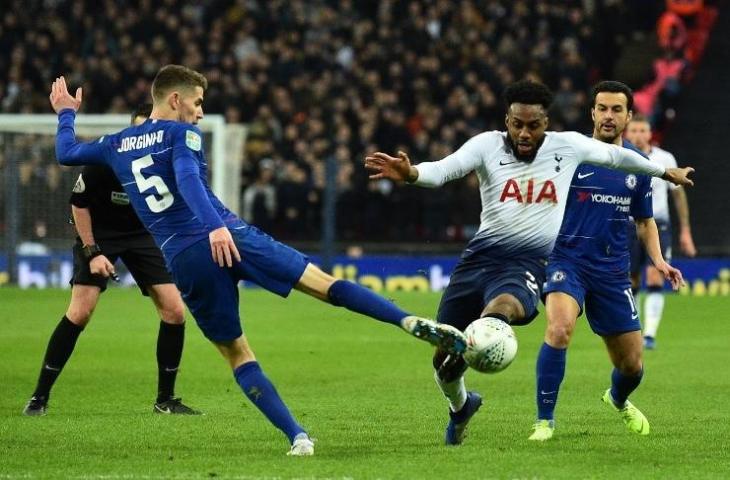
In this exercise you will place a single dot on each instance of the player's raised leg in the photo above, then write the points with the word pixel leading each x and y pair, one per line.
pixel 359 299
pixel 61 345
pixel 170 341
pixel 562 312
pixel 211 294
pixel 625 352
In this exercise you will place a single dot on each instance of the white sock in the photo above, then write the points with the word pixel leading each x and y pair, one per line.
pixel 455 392
pixel 653 308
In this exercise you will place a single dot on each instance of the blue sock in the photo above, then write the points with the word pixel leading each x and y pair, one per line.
pixel 622 386
pixel 550 373
pixel 361 300
pixel 262 393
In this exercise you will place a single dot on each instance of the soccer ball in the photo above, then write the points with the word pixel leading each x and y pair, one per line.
pixel 491 345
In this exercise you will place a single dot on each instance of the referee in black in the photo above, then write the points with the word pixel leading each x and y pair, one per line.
pixel 108 229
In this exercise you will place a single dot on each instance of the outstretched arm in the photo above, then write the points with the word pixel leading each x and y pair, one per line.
pixel 68 150
pixel 71 152
pixel 428 174
pixel 612 156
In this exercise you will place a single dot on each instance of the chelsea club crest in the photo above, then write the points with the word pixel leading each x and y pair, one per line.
pixel 631 181
pixel 558 276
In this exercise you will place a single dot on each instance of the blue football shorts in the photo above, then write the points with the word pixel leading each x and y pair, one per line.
pixel 609 303
pixel 211 292
pixel 479 278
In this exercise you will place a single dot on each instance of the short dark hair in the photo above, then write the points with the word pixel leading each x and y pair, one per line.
pixel 613 86
pixel 142 110
pixel 529 93
pixel 171 76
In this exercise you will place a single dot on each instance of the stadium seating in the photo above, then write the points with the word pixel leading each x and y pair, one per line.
pixel 318 79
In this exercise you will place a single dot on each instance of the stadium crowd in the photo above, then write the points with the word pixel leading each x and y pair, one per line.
pixel 322 79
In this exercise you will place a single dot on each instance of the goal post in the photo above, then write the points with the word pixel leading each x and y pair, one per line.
pixel 34 189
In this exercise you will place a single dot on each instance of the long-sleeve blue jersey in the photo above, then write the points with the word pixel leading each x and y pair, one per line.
pixel 600 203
pixel 162 168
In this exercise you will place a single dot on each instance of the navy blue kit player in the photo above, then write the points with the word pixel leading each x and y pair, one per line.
pixel 524 177
pixel 206 247
pixel 589 268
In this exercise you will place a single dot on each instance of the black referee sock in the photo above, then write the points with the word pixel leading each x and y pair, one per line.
pixel 170 342
pixel 60 347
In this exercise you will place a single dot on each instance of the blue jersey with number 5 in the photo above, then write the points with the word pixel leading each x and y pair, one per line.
pixel 162 168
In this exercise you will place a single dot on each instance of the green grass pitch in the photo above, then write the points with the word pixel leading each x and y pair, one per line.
pixel 363 389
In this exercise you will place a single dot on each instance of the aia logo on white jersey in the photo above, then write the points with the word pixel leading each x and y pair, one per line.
pixel 547 192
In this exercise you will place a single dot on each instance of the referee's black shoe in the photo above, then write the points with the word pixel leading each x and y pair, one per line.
pixel 36 406
pixel 174 406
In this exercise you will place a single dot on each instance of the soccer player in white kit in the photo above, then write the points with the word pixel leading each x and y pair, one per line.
pixel 524 174
pixel 638 132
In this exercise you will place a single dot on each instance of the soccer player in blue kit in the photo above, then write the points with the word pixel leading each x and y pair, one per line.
pixel 590 266
pixel 207 248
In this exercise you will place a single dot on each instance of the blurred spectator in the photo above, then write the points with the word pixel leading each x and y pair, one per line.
pixel 685 7
pixel 658 98
pixel 259 199
pixel 682 33
pixel 293 202
pixel 317 79
pixel 671 32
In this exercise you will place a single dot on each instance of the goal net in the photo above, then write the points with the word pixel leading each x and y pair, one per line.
pixel 34 189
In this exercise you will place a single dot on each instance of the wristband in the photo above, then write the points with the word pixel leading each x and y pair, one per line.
pixel 91 251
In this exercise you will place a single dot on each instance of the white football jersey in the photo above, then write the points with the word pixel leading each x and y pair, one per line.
pixel 523 202
pixel 660 188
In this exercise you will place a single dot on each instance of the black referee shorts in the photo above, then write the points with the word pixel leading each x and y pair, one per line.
pixel 138 253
